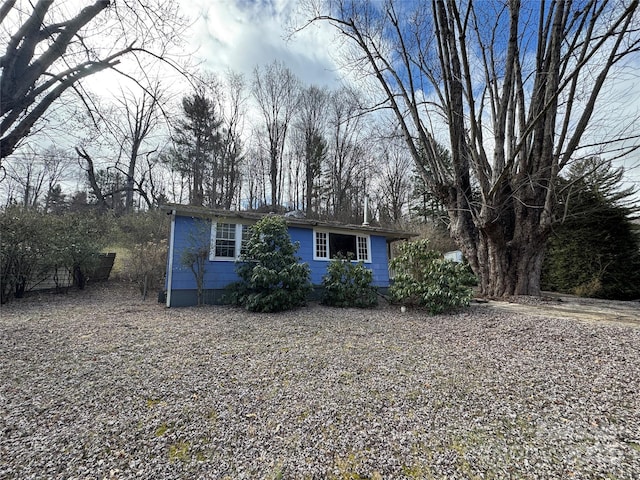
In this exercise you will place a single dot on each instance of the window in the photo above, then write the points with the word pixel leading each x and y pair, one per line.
pixel 321 245
pixel 225 240
pixel 228 240
pixel 244 238
pixel 363 248
pixel 329 245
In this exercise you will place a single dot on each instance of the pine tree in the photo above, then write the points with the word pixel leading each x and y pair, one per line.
pixel 595 250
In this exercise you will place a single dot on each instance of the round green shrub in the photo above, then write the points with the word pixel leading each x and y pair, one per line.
pixel 348 284
pixel 423 278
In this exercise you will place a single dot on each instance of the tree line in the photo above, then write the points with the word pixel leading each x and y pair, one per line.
pixel 266 142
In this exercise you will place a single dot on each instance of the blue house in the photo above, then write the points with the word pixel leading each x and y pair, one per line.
pixel 218 236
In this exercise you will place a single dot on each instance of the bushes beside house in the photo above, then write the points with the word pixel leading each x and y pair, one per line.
pixel 143 236
pixel 348 284
pixel 64 249
pixel 425 279
pixel 272 279
pixel 35 246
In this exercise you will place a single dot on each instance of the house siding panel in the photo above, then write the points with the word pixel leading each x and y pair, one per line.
pixel 378 265
pixel 379 262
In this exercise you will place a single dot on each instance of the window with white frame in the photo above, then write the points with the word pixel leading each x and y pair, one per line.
pixel 228 240
pixel 321 247
pixel 328 245
pixel 244 238
pixel 362 245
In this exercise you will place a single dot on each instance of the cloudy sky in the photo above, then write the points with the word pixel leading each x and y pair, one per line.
pixel 240 34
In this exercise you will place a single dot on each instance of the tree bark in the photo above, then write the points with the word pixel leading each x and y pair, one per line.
pixel 21 72
pixel 91 177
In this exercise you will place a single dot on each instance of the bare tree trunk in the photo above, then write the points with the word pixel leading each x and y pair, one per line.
pixel 276 92
pixel 91 176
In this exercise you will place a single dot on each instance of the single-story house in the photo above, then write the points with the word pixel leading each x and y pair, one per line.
pixel 219 234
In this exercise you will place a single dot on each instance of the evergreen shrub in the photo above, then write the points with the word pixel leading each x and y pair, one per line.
pixel 272 277
pixel 595 250
pixel 423 278
pixel 348 284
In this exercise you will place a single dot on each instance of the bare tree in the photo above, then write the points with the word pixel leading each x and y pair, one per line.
pixel 29 174
pixel 232 154
pixel 105 188
pixel 140 116
pixel 35 174
pixel 275 89
pixel 310 122
pixel 48 50
pixel 394 182
pixel 119 135
pixel 256 175
pixel 347 157
pixel 516 84
pixel 57 163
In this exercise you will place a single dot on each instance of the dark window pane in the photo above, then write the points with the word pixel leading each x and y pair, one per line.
pixel 342 244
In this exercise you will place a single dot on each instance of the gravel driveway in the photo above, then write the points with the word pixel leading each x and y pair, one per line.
pixel 103 385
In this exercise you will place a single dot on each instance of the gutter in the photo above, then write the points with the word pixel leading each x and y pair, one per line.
pixel 170 264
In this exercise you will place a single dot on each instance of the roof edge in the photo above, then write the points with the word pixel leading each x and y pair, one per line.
pixel 203 212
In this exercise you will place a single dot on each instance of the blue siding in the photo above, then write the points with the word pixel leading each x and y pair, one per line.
pixel 218 274
pixel 379 263
pixel 188 233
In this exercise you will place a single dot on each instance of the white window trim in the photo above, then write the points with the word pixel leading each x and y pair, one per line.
pixel 329 232
pixel 238 241
pixel 368 238
pixel 315 245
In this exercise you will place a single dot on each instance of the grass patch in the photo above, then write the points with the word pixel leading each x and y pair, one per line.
pixel 162 429
pixel 122 257
pixel 634 445
pixel 151 402
pixel 179 452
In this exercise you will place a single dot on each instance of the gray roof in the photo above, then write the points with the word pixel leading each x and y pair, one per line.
pixel 203 212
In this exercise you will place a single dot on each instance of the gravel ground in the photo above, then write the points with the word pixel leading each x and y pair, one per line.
pixel 104 385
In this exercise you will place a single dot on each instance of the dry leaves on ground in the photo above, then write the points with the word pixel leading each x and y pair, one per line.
pixel 99 384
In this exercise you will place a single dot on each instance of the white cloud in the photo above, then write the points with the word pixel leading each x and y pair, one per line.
pixel 615 127
pixel 241 34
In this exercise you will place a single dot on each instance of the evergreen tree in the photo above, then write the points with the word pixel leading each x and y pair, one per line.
pixel 197 140
pixel 595 250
